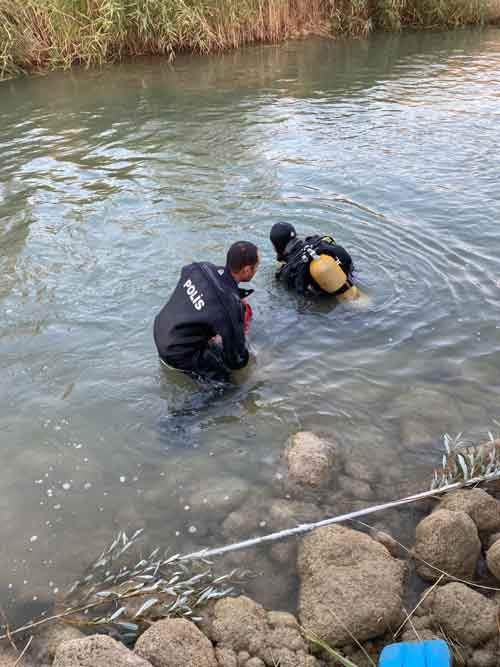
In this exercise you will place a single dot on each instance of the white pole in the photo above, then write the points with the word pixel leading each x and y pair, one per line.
pixel 307 527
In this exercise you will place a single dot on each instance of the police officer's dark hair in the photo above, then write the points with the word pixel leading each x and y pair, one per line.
pixel 241 254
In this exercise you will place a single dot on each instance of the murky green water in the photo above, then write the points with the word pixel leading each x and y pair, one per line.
pixel 111 180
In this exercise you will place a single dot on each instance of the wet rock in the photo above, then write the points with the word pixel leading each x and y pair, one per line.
pixel 255 662
pixel 355 488
pixel 348 584
pixel 175 642
pixel 493 559
pixel 9 658
pixel 360 470
pixel 47 641
pixel 310 460
pixel 483 657
pixel 360 659
pixel 264 569
pixel 389 542
pixel 96 651
pixel 464 614
pixel 226 657
pixel 284 552
pixel 278 595
pixel 415 433
pixel 448 541
pixel 418 623
pixel 423 635
pixel 239 624
pixel 288 513
pixel 426 405
pixel 218 497
pixel 244 629
pixel 482 508
pixel 492 539
pixel 247 521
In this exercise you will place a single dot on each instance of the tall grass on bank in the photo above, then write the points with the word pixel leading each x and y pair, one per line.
pixel 48 34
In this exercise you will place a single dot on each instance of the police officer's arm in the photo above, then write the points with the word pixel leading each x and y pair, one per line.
pixel 234 347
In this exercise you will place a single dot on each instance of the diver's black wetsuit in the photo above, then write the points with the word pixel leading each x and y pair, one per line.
pixel 206 302
pixel 295 272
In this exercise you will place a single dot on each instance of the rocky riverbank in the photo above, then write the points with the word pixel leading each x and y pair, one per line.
pixel 353 582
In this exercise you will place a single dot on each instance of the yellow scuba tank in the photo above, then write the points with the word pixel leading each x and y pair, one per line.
pixel 327 273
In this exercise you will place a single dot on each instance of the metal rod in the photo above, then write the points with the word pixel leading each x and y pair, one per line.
pixel 307 527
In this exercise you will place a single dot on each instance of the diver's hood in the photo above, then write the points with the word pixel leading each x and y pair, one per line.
pixel 281 234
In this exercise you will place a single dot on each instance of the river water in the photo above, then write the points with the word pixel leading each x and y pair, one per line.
pixel 111 180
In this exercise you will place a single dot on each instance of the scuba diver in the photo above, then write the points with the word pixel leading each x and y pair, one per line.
pixel 316 265
pixel 202 329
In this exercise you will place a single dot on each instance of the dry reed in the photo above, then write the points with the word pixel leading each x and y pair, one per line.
pixel 37 35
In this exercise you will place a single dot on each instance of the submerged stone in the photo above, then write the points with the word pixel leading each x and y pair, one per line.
pixel 310 460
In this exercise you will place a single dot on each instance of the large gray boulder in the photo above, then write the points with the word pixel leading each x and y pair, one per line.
pixel 96 651
pixel 464 614
pixel 482 508
pixel 448 541
pixel 349 585
pixel 310 460
pixel 175 642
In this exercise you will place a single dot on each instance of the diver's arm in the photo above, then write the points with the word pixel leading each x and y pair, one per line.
pixel 302 278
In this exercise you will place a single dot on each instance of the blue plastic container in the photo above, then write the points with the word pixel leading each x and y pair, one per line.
pixel 432 653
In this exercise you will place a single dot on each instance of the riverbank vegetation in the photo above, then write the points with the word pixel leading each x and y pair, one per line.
pixel 37 35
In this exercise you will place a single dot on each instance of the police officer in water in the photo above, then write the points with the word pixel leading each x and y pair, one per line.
pixel 315 265
pixel 202 328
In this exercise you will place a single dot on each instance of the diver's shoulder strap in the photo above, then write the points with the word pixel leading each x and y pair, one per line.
pixel 342 290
